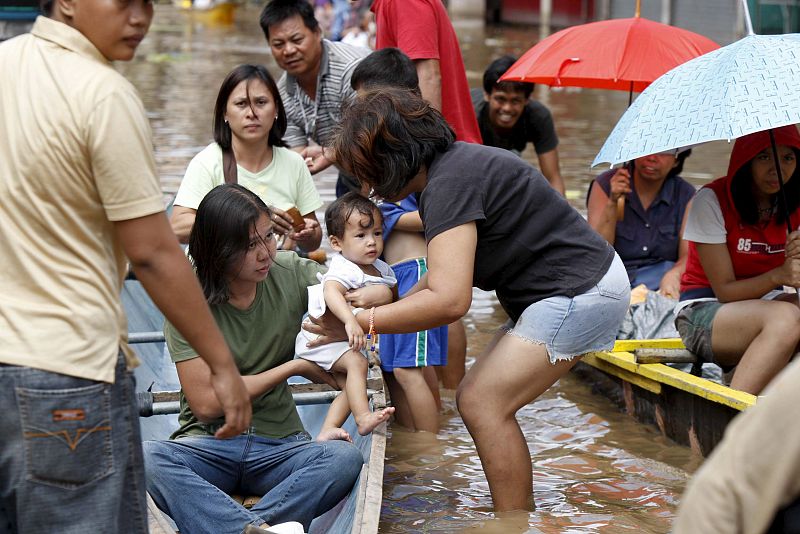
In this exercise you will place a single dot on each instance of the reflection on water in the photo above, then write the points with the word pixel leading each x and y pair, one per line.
pixel 595 470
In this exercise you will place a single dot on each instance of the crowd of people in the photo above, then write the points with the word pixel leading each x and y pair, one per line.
pixel 433 198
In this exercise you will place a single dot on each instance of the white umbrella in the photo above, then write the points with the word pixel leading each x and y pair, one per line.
pixel 748 86
pixel 745 87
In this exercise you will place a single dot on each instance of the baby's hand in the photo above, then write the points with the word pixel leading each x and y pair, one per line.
pixel 355 335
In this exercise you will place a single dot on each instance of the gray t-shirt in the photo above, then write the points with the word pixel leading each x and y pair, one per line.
pixel 531 243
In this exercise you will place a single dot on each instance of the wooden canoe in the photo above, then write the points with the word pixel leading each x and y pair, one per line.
pixel 690 410
pixel 157 382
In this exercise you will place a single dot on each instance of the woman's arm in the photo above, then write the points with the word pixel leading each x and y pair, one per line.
pixel 182 220
pixel 195 379
pixel 602 208
pixel 443 295
pixel 717 265
pixel 670 285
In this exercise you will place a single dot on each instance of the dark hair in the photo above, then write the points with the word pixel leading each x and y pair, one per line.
pixel 495 70
pixel 385 137
pixel 742 192
pixel 222 130
pixel 221 234
pixel 385 67
pixel 242 73
pixel 278 11
pixel 47 7
pixel 342 208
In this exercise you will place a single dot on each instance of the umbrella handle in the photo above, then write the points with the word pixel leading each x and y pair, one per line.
pixel 621 208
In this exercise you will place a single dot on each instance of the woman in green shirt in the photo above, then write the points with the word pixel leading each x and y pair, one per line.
pixel 258 297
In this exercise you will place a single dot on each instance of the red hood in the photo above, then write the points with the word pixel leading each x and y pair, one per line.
pixel 747 147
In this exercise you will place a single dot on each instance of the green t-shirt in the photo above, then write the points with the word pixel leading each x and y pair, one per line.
pixel 260 338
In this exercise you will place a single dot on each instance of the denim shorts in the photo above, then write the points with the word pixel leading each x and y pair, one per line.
pixel 693 323
pixel 570 327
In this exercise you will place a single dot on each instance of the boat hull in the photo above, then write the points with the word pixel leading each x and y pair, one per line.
pixel 690 410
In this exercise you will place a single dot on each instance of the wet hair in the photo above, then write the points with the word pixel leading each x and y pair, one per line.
pixel 221 235
pixel 742 192
pixel 342 208
pixel 277 11
pixel 386 135
pixel 495 70
pixel 385 67
pixel 245 73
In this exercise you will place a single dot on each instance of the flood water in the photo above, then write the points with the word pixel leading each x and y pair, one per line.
pixel 595 469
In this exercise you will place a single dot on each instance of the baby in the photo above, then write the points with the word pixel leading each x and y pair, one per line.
pixel 355 233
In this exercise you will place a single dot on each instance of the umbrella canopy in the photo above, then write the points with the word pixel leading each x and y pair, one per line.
pixel 745 87
pixel 623 54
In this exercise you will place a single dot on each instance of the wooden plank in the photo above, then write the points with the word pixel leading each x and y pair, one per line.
pixel 664 356
pixel 624 374
pixel 370 494
pixel 678 379
pixel 628 345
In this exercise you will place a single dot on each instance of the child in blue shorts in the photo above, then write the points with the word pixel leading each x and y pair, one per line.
pixel 404 357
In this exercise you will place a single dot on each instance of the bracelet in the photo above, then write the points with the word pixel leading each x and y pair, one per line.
pixel 372 336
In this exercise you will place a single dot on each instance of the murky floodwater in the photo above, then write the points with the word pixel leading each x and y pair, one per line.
pixel 595 470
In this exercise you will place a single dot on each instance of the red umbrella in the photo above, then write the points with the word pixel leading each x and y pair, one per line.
pixel 623 54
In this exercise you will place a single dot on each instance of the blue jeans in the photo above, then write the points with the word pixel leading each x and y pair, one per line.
pixel 651 275
pixel 70 453
pixel 190 479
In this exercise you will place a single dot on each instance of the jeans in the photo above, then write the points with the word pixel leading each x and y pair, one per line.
pixel 651 275
pixel 70 453
pixel 190 479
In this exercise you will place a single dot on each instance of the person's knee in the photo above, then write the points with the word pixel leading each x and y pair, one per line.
pixel 355 362
pixel 783 321
pixel 468 401
pixel 346 458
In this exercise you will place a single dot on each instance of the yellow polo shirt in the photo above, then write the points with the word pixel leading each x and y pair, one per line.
pixel 75 155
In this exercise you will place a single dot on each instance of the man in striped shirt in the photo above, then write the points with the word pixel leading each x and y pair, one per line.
pixel 316 81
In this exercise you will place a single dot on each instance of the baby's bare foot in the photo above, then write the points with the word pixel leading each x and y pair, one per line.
pixel 367 421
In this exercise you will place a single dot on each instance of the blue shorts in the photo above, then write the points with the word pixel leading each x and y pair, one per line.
pixel 420 349
pixel 588 322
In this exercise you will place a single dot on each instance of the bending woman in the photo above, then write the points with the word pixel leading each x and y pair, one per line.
pixel 249 122
pixel 258 297
pixel 648 238
pixel 739 261
pixel 493 221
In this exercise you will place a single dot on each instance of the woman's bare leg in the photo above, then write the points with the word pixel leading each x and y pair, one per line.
pixel 418 395
pixel 511 375
pixel 757 336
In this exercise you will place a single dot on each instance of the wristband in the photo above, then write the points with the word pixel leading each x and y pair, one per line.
pixel 372 336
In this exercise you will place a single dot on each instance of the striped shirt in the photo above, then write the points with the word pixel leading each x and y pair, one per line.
pixel 315 120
